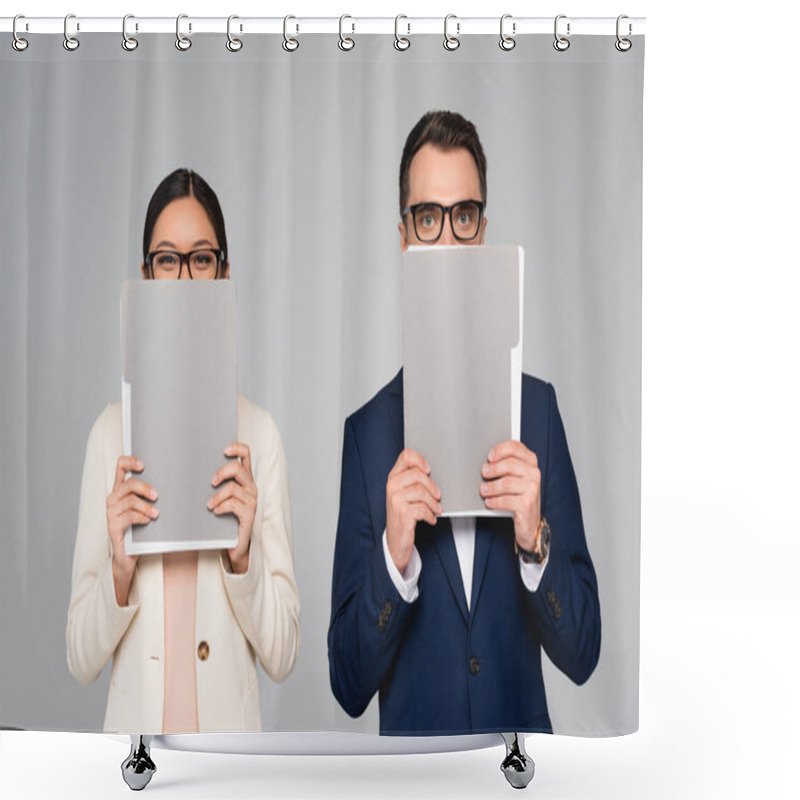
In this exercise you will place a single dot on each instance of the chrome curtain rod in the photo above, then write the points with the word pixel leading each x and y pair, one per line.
pixel 457 26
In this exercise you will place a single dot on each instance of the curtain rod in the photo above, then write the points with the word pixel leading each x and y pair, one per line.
pixel 405 26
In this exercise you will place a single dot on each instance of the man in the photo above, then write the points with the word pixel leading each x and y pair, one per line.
pixel 446 618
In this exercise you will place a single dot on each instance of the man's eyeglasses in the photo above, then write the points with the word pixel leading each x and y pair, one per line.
pixel 203 263
pixel 465 220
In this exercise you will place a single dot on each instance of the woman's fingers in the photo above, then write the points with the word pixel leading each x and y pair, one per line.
pixel 126 464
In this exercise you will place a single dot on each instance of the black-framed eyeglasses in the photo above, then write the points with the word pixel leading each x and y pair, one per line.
pixel 465 219
pixel 203 263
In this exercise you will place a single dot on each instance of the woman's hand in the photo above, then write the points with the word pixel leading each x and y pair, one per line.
pixel 126 506
pixel 238 496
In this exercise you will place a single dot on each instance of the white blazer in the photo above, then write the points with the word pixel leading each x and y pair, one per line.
pixel 238 616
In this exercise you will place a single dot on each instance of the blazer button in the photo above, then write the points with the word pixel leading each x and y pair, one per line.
pixel 383 618
pixel 474 665
pixel 202 650
pixel 555 604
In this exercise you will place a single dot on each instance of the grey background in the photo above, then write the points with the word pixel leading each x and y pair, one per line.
pixel 303 151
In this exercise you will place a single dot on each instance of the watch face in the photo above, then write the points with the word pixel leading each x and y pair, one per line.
pixel 544 540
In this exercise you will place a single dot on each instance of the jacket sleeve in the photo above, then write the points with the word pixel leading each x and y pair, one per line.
pixel 566 607
pixel 368 616
pixel 265 599
pixel 95 623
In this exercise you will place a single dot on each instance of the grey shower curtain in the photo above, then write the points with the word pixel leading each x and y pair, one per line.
pixel 303 150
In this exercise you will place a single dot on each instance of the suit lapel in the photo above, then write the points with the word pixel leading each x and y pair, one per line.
pixel 443 532
pixel 484 536
pixel 446 549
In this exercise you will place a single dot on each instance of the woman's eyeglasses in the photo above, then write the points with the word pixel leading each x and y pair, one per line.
pixel 201 264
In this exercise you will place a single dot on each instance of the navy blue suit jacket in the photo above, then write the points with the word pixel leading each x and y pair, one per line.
pixel 440 668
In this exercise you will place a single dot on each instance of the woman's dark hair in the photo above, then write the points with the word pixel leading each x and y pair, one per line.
pixel 447 130
pixel 184 183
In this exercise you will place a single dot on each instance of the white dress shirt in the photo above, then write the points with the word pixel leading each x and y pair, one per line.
pixel 464 536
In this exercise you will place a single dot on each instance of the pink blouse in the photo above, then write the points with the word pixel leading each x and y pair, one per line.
pixel 180 677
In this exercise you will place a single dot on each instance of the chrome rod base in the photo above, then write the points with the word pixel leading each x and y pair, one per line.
pixel 138 768
pixel 517 766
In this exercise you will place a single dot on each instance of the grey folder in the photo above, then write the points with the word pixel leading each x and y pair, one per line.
pixel 462 362
pixel 179 406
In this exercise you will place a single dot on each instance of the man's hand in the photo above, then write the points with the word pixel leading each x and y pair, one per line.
pixel 512 482
pixel 411 496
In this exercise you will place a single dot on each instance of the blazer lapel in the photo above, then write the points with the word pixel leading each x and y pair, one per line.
pixel 396 410
pixel 484 536
pixel 446 549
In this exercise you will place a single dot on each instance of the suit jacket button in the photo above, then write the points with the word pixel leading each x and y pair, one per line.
pixel 555 604
pixel 474 665
pixel 202 650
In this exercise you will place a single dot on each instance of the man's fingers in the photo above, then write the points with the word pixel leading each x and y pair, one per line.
pixel 511 465
pixel 407 459
pixel 423 513
pixel 419 494
pixel 126 464
pixel 508 485
pixel 512 449
pixel 412 476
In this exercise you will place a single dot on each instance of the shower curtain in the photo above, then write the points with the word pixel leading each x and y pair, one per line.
pixel 303 149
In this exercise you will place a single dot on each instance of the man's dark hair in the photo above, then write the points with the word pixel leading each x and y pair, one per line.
pixel 446 130
pixel 184 183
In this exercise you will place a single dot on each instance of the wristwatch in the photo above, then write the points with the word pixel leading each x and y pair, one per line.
pixel 544 544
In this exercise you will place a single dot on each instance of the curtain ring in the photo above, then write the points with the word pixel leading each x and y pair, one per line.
pixel 623 45
pixel 507 42
pixel 129 43
pixel 182 42
pixel 561 43
pixel 451 42
pixel 290 44
pixel 401 42
pixel 346 42
pixel 70 42
pixel 18 43
pixel 233 44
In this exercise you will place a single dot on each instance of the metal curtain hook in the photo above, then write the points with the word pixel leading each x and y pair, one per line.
pixel 561 43
pixel 451 42
pixel 401 42
pixel 290 44
pixel 623 45
pixel 129 43
pixel 181 42
pixel 18 43
pixel 346 42
pixel 233 44
pixel 70 42
pixel 507 42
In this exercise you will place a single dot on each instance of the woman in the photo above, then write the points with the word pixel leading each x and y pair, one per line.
pixel 183 629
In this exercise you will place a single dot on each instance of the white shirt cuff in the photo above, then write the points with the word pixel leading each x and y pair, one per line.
pixel 405 583
pixel 531 572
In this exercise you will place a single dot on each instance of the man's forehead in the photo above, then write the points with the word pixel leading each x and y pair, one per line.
pixel 443 175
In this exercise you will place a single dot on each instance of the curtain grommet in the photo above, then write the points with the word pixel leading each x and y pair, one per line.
pixel 401 43
pixel 70 43
pixel 17 42
pixel 289 44
pixel 507 42
pixel 451 43
pixel 183 43
pixel 622 44
pixel 346 43
pixel 233 44
pixel 129 43
pixel 561 43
